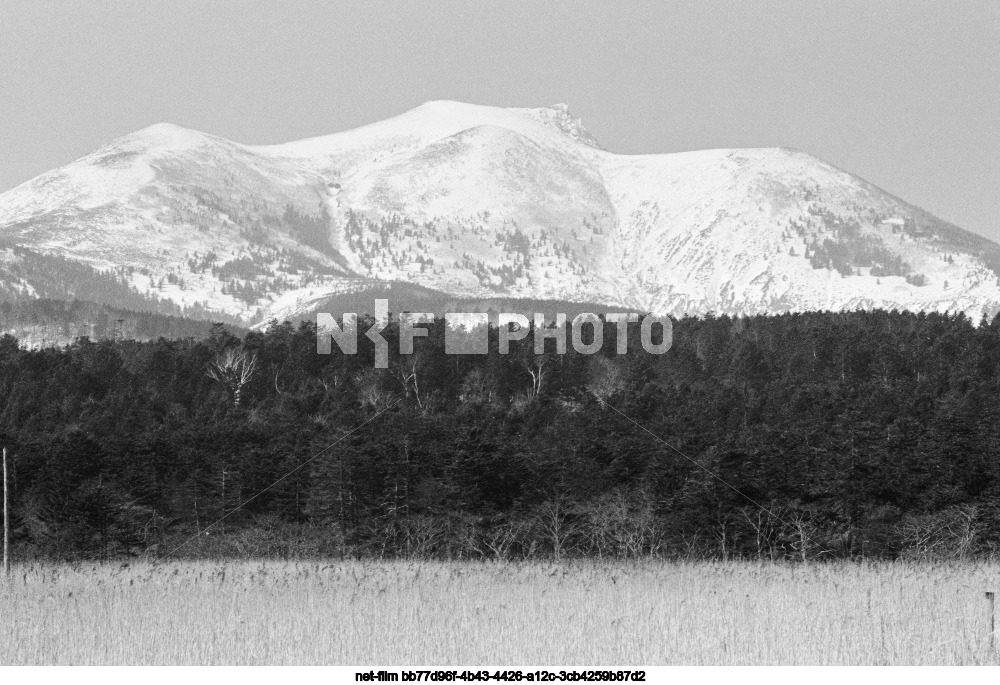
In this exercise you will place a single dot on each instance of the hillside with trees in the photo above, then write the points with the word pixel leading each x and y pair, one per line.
pixel 800 436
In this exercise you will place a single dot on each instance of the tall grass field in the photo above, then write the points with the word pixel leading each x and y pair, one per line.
pixel 497 614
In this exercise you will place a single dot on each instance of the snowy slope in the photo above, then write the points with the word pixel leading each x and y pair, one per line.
pixel 481 202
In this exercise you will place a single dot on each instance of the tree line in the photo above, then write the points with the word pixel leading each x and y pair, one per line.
pixel 800 436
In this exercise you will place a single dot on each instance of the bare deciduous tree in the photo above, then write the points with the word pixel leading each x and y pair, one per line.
pixel 554 524
pixel 409 375
pixel 720 531
pixel 762 521
pixel 950 533
pixel 537 366
pixel 330 381
pixel 234 368
pixel 500 539
pixel 803 533
pixel 622 523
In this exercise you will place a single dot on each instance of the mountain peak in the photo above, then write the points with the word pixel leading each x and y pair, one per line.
pixel 168 135
pixel 162 127
pixel 559 116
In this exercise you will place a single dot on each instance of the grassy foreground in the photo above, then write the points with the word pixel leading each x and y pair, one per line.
pixel 478 614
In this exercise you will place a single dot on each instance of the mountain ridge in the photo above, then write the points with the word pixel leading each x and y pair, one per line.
pixel 480 202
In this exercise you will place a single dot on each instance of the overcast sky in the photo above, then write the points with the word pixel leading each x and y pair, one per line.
pixel 905 94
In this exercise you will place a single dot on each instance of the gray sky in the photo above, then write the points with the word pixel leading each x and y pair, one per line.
pixel 905 94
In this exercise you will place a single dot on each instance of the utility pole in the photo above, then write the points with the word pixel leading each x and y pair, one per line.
pixel 222 522
pixel 6 520
pixel 991 620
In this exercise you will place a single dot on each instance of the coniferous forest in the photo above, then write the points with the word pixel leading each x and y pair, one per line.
pixel 803 436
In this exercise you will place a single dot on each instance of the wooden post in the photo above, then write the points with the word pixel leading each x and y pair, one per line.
pixel 990 619
pixel 6 520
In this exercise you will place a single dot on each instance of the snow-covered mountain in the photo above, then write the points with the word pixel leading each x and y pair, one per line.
pixel 475 203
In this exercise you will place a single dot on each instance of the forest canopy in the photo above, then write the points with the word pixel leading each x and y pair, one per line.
pixel 800 436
